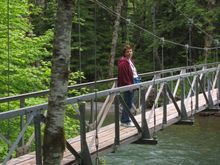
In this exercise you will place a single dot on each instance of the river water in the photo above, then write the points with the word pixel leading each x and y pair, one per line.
pixel 198 144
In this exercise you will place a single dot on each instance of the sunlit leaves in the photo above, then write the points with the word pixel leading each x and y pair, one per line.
pixel 21 51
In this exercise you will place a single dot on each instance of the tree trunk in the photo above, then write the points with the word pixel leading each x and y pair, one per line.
pixel 54 141
pixel 115 39
pixel 124 24
pixel 157 61
pixel 208 39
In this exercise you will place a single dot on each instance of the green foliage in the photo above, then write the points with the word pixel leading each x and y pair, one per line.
pixel 25 59
pixel 21 57
pixel 76 76
pixel 171 23
pixel 96 31
pixel 25 54
pixel 71 124
pixel 43 16
pixel 3 151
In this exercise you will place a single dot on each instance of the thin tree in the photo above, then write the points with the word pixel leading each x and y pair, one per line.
pixel 54 140
pixel 115 38
pixel 158 64
pixel 124 23
pixel 208 39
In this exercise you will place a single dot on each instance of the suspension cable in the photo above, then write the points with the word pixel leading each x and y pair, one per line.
pixel 8 45
pixel 162 63
pixel 79 40
pixel 155 95
pixel 189 19
pixel 162 53
pixel 96 108
pixel 189 52
pixel 190 71
pixel 216 51
pixel 190 41
pixel 149 32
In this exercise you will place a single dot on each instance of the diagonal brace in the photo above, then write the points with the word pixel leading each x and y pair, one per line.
pixel 73 151
pixel 202 88
pixel 174 101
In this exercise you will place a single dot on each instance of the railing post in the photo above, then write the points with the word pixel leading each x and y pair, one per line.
pixel 183 109
pixel 144 125
pixel 86 158
pixel 218 84
pixel 204 81
pixel 117 133
pixel 172 83
pixel 209 92
pixel 197 94
pixel 22 104
pixel 37 132
pixel 165 104
pixel 92 114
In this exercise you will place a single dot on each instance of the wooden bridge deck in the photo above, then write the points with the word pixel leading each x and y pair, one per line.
pixel 127 134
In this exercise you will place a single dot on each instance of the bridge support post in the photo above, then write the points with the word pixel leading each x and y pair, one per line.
pixel 117 134
pixel 209 94
pixel 197 94
pixel 203 80
pixel 184 117
pixel 144 125
pixel 22 102
pixel 85 154
pixel 146 135
pixel 218 85
pixel 212 108
pixel 183 108
pixel 22 148
pixel 92 114
pixel 165 104
pixel 203 91
pixel 37 131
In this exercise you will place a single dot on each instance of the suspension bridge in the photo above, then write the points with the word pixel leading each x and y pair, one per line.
pixel 179 93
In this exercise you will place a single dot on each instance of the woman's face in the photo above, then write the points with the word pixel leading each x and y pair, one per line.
pixel 128 53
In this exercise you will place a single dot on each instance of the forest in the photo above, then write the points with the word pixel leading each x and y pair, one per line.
pixel 163 33
pixel 30 36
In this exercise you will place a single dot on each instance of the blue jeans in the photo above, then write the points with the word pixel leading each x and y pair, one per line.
pixel 128 98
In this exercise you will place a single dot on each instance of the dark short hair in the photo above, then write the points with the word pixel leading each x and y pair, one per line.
pixel 126 47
